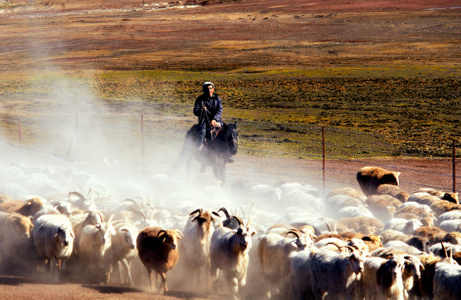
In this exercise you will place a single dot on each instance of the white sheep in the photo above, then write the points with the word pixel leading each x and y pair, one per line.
pixel 451 225
pixel 229 252
pixel 123 249
pixel 54 241
pixel 449 215
pixel 403 225
pixel 402 246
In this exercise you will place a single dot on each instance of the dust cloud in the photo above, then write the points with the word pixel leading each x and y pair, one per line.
pixel 74 142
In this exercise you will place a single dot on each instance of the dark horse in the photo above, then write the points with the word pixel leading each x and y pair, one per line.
pixel 214 153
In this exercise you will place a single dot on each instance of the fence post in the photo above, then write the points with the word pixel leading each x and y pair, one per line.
pixel 454 167
pixel 20 134
pixel 142 141
pixel 323 156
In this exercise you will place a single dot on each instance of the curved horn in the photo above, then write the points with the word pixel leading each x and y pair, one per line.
pixel 239 220
pixel 328 226
pixel 250 220
pixel 110 219
pixel 338 246
pixel 444 250
pixel 295 233
pixel 195 211
pixel 141 213
pixel 131 200
pixel 161 232
pixel 80 196
pixel 223 209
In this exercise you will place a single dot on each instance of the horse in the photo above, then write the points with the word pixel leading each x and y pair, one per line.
pixel 214 153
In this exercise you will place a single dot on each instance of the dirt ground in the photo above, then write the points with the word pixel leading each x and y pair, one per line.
pixel 99 35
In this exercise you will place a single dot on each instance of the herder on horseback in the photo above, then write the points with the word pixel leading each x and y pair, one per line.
pixel 208 109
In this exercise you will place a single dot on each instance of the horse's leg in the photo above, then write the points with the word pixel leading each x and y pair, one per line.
pixel 188 164
pixel 222 172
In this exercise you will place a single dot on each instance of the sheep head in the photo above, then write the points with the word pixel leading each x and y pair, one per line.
pixel 64 235
pixel 170 238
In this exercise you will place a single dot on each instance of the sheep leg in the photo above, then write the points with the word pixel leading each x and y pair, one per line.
pixel 233 285
pixel 129 279
pixel 151 279
pixel 213 277
pixel 164 286
pixel 54 269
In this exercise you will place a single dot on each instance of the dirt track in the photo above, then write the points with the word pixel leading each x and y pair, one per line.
pixel 257 33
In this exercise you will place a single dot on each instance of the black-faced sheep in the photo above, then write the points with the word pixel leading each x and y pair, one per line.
pixel 369 178
pixel 158 251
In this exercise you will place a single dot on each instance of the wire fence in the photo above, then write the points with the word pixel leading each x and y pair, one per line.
pixel 324 156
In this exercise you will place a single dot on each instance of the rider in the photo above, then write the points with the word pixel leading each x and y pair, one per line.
pixel 208 109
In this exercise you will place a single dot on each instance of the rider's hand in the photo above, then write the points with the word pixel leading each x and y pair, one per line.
pixel 204 108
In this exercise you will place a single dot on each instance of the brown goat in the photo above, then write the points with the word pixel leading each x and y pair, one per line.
pixel 442 206
pixel 451 197
pixel 392 190
pixel 348 191
pixel 383 206
pixel 365 225
pixel 25 208
pixel 158 251
pixel 369 178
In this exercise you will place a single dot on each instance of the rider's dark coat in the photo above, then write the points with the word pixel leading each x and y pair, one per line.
pixel 213 105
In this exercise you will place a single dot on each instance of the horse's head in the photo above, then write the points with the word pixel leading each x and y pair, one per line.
pixel 231 137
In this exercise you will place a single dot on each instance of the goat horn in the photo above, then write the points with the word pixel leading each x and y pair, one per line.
pixel 110 219
pixel 223 209
pixel 444 250
pixel 163 231
pixel 141 213
pixel 250 220
pixel 80 196
pixel 239 220
pixel 295 233
pixel 333 243
pixel 195 211
pixel 328 226
pixel 130 200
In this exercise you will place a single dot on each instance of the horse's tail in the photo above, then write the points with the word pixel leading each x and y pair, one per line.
pixel 185 153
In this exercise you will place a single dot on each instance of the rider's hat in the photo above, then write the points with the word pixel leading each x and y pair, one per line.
pixel 206 84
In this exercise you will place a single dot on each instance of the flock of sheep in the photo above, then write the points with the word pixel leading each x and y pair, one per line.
pixel 286 241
